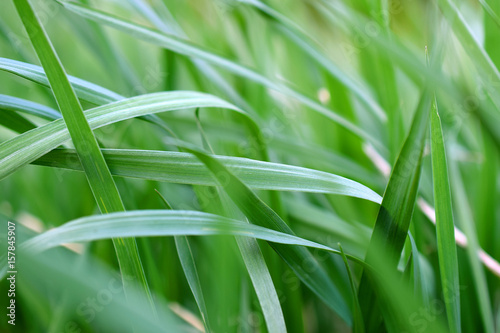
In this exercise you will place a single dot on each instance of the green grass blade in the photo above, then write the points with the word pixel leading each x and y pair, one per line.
pixel 150 223
pixel 189 49
pixel 27 147
pixel 11 103
pixel 183 168
pixel 447 251
pixel 98 175
pixel 15 122
pixel 252 257
pixel 395 213
pixel 85 90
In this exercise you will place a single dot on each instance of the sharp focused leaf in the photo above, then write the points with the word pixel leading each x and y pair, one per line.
pixel 263 284
pixel 184 168
pixel 148 223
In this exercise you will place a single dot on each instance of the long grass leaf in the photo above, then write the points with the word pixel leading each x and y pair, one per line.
pixel 183 168
pixel 447 251
pixel 149 223
pixel 98 175
pixel 21 105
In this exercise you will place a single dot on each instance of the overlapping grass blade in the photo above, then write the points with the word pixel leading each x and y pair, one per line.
pixel 27 147
pixel 252 256
pixel 189 49
pixel 183 168
pixel 447 252
pixel 263 284
pixel 395 213
pixel 259 213
pixel 84 90
pixel 98 175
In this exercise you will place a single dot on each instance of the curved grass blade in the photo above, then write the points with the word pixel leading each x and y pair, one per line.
pixel 100 180
pixel 189 49
pixel 184 168
pixel 395 213
pixel 11 103
pixel 27 147
pixel 152 223
pixel 85 90
pixel 263 284
pixel 447 251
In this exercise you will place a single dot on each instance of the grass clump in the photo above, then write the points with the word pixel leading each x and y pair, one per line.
pixel 260 166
